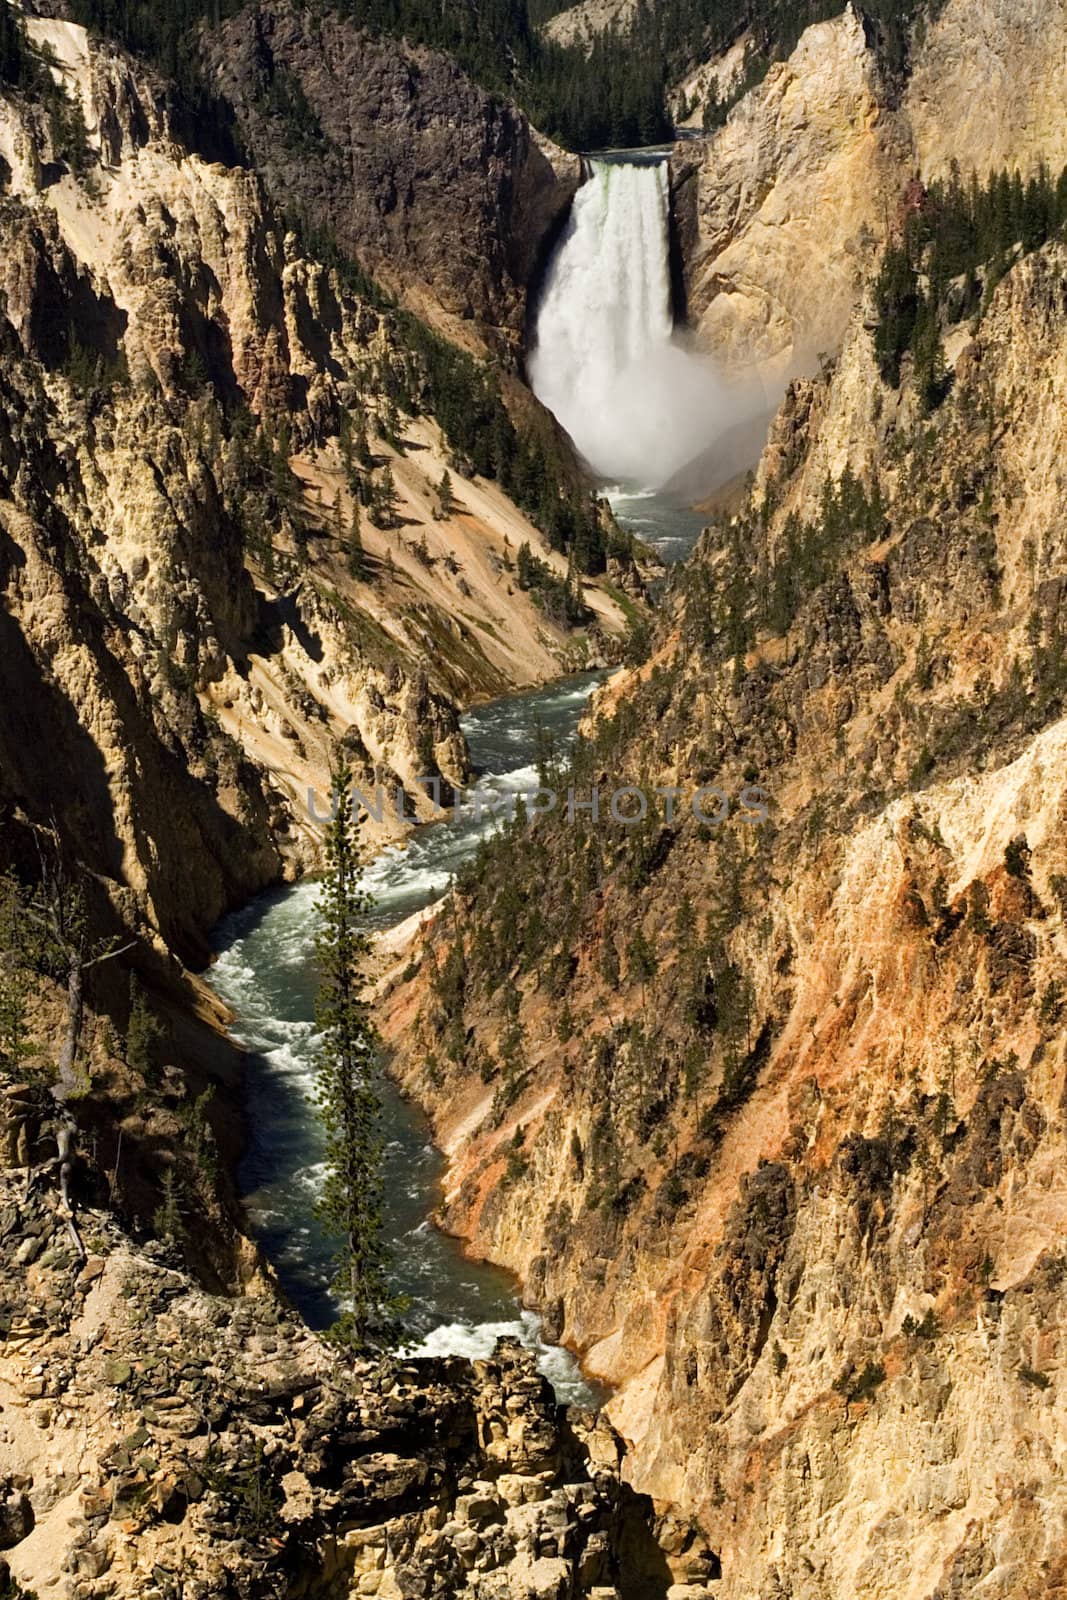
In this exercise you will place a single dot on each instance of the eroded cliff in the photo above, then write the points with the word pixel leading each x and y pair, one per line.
pixel 783 209
pixel 769 1115
pixel 442 189
pixel 227 543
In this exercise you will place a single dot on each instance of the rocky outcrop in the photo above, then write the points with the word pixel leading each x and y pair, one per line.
pixel 783 210
pixel 161 1440
pixel 769 1117
pixel 580 24
pixel 438 188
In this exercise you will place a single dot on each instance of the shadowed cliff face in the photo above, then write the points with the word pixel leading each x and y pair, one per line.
pixel 770 1119
pixel 440 189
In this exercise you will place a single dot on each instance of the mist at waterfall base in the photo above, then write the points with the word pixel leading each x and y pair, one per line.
pixel 266 972
pixel 639 404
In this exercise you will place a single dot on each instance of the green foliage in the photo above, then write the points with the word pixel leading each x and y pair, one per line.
pixel 167 36
pixel 167 1223
pixel 446 499
pixel 1017 858
pixel 559 598
pixel 348 1094
pixel 1051 1008
pixel 610 93
pixel 10 1588
pixel 926 1328
pixel 809 555
pixel 70 136
pixel 89 370
pixel 1058 884
pixel 638 645
pixel 355 559
pixel 201 1136
pixel 143 1034
pixel 383 500
pixel 640 958
pixel 319 243
pixel 1036 1380
pixel 15 977
pixel 464 395
pixel 866 1384
pixel 284 98
pixel 956 231
pixel 518 1163
pixel 249 1490
pixel 896 300
pixel 20 67
pixel 15 1042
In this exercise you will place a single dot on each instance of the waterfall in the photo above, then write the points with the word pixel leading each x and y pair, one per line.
pixel 606 361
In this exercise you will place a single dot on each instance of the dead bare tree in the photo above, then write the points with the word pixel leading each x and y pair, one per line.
pixel 58 914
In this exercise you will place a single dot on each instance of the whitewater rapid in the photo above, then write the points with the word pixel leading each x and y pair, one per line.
pixel 266 972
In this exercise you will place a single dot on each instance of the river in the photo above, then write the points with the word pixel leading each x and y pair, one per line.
pixel 265 971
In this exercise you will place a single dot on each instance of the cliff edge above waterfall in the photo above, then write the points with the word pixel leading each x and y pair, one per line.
pixel 784 207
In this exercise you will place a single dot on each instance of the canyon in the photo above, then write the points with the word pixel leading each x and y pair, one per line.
pixel 766 1120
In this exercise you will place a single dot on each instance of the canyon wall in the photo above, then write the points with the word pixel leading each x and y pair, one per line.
pixel 439 188
pixel 784 209
pixel 228 545
pixel 177 501
pixel 769 1116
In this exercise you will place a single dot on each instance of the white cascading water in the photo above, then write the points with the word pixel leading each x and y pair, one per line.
pixel 638 405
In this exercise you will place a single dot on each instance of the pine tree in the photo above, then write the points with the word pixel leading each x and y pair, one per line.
pixel 12 46
pixel 346 447
pixel 349 1100
pixel 364 453
pixel 357 562
pixel 385 499
pixel 931 370
pixel 897 302
pixel 167 1221
pixel 446 499
pixel 144 1032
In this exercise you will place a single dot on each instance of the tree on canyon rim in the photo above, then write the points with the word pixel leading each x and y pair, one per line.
pixel 348 1094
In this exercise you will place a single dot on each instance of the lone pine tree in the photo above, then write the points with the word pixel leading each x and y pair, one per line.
pixel 348 1096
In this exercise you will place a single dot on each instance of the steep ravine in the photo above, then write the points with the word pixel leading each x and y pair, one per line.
pixel 769 1121
pixel 191 405
pixel 184 388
